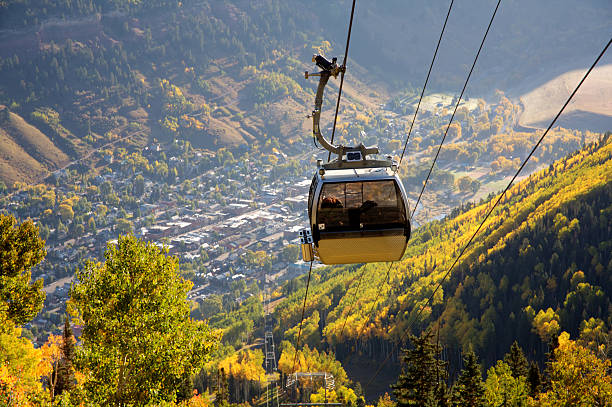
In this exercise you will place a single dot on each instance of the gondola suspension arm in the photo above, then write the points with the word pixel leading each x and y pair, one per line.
pixel 329 69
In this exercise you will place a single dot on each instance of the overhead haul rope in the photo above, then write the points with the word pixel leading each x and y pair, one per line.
pixel 456 106
pixel 378 293
pixel 399 164
pixel 297 343
pixel 430 299
pixel 342 71
pixel 425 85
pixel 348 40
pixel 352 301
pixel 371 312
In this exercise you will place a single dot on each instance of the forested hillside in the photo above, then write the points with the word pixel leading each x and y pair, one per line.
pixel 539 275
pixel 89 73
pixel 155 158
pixel 228 73
pixel 541 265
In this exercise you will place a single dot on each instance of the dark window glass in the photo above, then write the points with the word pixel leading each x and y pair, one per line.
pixel 313 188
pixel 368 205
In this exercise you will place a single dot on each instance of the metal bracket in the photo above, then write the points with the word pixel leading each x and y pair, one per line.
pixel 341 164
pixel 329 69
pixel 306 245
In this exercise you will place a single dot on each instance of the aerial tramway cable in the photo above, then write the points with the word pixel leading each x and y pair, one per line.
pixel 343 70
pixel 425 85
pixel 352 301
pixel 297 343
pixel 402 156
pixel 455 110
pixel 348 40
pixel 439 148
pixel 371 312
pixel 445 133
pixel 445 276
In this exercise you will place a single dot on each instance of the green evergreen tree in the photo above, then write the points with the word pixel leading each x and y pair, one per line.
pixel 515 358
pixel 222 396
pixel 139 185
pixel 469 389
pixel 423 377
pixel 534 380
pixel 550 358
pixel 65 369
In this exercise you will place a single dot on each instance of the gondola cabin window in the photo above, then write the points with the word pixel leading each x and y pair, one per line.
pixel 311 193
pixel 355 206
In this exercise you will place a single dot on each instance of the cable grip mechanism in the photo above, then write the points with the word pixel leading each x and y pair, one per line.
pixel 331 69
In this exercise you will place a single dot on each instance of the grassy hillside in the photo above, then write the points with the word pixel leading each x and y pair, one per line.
pixel 590 109
pixel 544 255
pixel 25 152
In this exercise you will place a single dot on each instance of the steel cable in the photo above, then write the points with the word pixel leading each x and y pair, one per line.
pixel 425 85
pixel 348 40
pixel 445 276
pixel 297 344
pixel 456 106
pixel 404 150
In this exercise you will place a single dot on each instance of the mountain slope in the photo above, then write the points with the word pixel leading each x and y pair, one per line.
pixel 239 64
pixel 25 152
pixel 547 245
pixel 590 109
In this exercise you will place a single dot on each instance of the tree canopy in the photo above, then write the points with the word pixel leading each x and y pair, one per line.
pixel 423 377
pixel 577 377
pixel 138 343
pixel 21 248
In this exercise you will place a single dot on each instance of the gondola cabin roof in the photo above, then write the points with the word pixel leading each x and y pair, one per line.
pixel 356 174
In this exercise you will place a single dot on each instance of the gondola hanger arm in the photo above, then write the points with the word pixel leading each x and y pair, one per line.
pixel 331 69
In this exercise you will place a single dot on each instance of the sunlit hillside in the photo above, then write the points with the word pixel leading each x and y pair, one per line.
pixel 231 73
pixel 156 182
pixel 542 256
